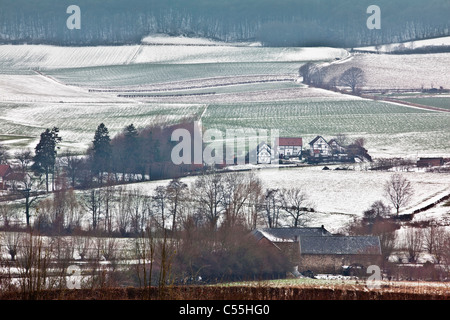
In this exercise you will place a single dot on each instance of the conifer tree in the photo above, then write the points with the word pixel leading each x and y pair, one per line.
pixel 101 151
pixel 45 153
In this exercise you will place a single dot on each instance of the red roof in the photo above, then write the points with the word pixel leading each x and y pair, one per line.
pixel 4 170
pixel 290 142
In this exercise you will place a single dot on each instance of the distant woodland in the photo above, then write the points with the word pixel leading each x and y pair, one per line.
pixel 274 23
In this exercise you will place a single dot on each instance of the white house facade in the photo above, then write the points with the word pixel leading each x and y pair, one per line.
pixel 264 153
pixel 319 147
pixel 289 147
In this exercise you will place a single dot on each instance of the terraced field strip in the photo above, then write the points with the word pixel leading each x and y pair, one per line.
pixel 408 103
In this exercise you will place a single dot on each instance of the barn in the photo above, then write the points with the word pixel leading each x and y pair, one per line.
pixel 319 251
pixel 334 254
pixel 430 162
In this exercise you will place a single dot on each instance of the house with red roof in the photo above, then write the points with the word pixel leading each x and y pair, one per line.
pixel 289 147
pixel 5 170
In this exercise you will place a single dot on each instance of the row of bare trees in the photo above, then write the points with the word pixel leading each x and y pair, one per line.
pixel 433 241
pixel 31 263
pixel 211 199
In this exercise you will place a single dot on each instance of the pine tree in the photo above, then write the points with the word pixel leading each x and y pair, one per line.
pixel 101 151
pixel 45 153
pixel 133 152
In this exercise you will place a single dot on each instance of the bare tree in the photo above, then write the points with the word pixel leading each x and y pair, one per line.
pixel 353 78
pixel 145 246
pixel 122 214
pixel 5 213
pixel 82 246
pixel 385 230
pixel 377 210
pixel 33 264
pixel 413 243
pixel 176 191
pixel 92 201
pixel 207 193
pixel 399 191
pixel 238 189
pixel 434 241
pixel 74 165
pixel 446 251
pixel 341 139
pixel 25 158
pixel 159 205
pixel 295 202
pixel 139 207
pixel 272 207
pixel 306 71
pixel 13 240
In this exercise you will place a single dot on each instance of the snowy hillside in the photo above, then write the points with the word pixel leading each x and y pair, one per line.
pixel 435 42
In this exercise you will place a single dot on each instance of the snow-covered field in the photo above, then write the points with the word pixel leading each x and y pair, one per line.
pixel 241 84
pixel 440 41
pixel 340 195
pixel 387 71
pixel 42 57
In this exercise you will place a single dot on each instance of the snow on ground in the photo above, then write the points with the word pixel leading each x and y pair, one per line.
pixel 340 195
pixel 344 194
pixel 39 88
pixel 386 71
pixel 20 57
pixel 439 213
pixel 440 41
pixel 39 57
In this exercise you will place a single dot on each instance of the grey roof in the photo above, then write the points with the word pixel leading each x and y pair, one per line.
pixel 340 245
pixel 289 234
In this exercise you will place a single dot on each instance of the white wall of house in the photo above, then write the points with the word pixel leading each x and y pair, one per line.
pixel 320 148
pixel 264 154
pixel 294 151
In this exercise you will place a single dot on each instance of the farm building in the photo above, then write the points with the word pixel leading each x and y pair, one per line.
pixel 289 147
pixel 430 162
pixel 17 181
pixel 319 148
pixel 319 251
pixel 5 170
pixel 264 153
pixel 335 146
pixel 335 253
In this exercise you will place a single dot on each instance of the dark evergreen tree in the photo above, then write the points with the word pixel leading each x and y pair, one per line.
pixel 101 152
pixel 45 153
pixel 132 150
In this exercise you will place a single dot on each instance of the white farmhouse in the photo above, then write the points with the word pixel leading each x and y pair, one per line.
pixel 319 148
pixel 289 147
pixel 264 153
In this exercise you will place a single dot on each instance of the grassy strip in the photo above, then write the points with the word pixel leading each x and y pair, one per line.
pixel 248 292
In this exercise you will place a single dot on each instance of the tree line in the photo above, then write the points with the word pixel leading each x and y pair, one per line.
pixel 281 23
pixel 67 189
